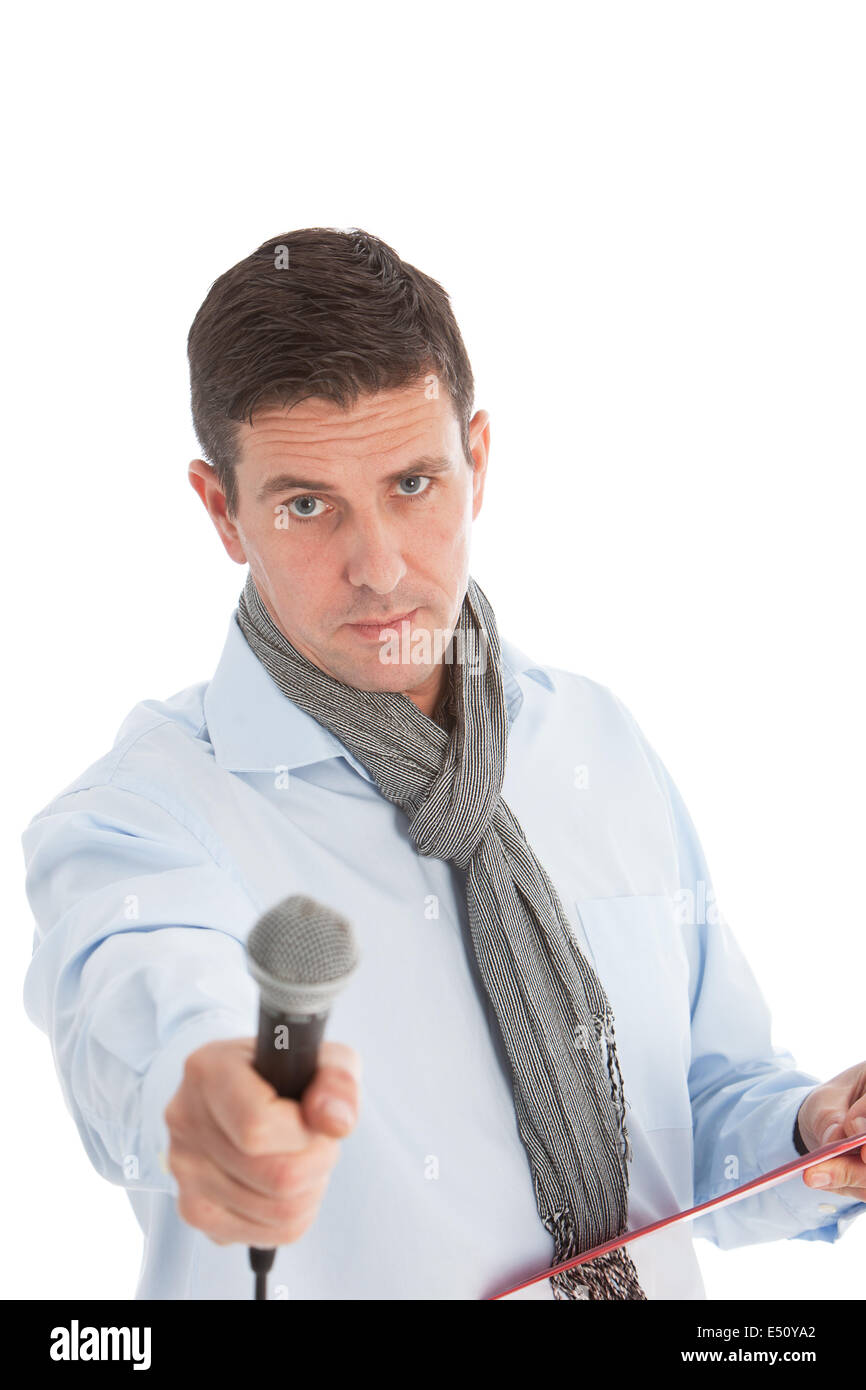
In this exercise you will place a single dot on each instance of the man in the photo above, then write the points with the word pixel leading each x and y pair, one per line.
pixel 561 1039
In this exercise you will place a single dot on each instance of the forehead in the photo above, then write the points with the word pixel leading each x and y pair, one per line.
pixel 382 426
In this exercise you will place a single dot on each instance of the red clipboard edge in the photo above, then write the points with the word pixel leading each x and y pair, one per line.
pixel 767 1180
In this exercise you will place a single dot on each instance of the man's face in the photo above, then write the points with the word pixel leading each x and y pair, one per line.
pixel 334 539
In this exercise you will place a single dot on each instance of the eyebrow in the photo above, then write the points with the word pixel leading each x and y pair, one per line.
pixel 286 482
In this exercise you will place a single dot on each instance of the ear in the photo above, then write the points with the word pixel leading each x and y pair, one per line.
pixel 479 446
pixel 203 479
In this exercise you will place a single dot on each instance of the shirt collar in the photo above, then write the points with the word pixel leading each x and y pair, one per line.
pixel 253 726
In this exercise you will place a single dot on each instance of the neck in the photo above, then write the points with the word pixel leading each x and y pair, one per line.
pixel 433 695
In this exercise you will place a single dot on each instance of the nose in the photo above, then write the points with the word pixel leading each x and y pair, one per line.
pixel 375 556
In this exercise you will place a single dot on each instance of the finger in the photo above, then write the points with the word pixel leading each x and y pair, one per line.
pixel 850 1124
pixel 835 1122
pixel 249 1112
pixel 855 1120
pixel 275 1174
pixel 331 1102
pixel 266 1173
pixel 225 1228
pixel 203 1178
pixel 336 1054
pixel 825 1108
pixel 846 1171
pixel 272 1176
pixel 829 1128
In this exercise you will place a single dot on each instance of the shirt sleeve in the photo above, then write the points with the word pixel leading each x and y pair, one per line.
pixel 744 1091
pixel 138 959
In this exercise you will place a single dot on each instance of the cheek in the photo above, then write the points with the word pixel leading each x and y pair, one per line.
pixel 293 561
pixel 297 585
pixel 445 529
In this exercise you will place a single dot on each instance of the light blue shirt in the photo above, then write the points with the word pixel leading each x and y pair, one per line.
pixel 147 872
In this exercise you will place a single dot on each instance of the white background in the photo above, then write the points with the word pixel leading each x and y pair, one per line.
pixel 650 219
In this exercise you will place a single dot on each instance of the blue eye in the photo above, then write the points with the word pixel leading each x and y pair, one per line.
pixel 416 477
pixel 307 515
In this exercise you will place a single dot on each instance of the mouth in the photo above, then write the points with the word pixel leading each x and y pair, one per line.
pixel 373 630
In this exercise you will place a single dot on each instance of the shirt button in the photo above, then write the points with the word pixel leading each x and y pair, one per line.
pixel 826 1207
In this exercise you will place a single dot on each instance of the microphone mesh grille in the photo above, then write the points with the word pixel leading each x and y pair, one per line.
pixel 301 953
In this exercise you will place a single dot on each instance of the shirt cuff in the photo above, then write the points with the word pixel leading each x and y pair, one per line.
pixel 822 1215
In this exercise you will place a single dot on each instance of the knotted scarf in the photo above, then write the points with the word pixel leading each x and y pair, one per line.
pixel 554 1016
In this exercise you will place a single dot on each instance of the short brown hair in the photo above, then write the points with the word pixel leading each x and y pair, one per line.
pixel 317 312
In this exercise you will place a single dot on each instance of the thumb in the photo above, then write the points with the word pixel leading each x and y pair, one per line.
pixel 331 1102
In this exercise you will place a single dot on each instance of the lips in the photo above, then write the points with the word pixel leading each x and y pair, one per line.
pixel 372 630
pixel 384 622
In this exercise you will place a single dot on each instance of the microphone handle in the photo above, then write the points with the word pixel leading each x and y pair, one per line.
pixel 287 1050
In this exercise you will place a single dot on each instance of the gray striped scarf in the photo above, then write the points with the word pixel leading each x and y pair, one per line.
pixel 554 1016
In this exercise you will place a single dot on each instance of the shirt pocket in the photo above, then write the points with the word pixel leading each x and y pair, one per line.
pixel 639 956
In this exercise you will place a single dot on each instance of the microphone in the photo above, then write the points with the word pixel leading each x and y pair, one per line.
pixel 301 954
